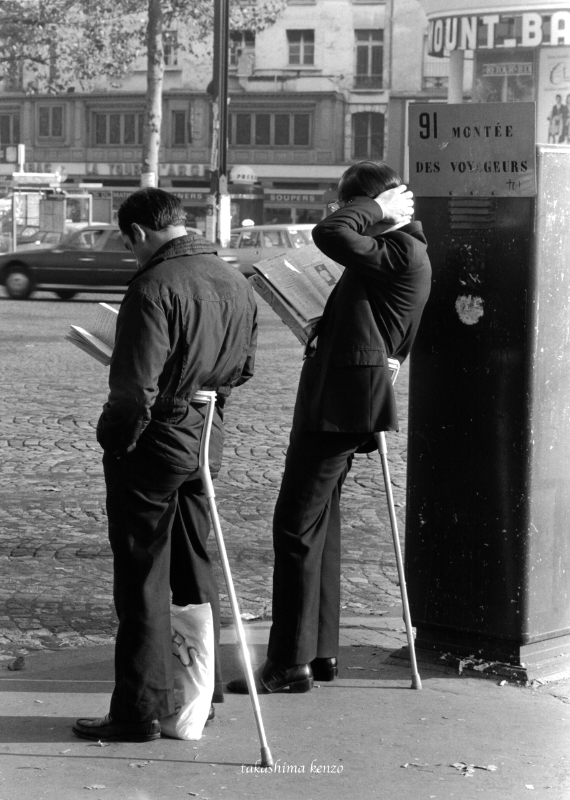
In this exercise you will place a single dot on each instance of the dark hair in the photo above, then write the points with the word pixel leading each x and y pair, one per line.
pixel 367 179
pixel 155 209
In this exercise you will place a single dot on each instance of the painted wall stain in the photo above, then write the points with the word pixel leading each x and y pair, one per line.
pixel 469 308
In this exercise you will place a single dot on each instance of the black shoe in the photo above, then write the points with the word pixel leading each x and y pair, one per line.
pixel 105 730
pixel 211 714
pixel 270 677
pixel 324 669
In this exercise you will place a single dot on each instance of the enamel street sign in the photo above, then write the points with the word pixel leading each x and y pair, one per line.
pixel 472 149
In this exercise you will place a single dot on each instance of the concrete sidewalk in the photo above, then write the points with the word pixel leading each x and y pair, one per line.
pixel 367 735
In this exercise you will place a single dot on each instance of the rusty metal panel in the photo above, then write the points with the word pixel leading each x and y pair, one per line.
pixel 488 511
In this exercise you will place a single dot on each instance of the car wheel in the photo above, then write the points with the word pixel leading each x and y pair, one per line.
pixel 65 294
pixel 18 282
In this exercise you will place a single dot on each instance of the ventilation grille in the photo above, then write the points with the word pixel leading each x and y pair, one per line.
pixel 468 214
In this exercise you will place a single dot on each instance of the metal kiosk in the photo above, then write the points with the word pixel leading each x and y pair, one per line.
pixel 488 510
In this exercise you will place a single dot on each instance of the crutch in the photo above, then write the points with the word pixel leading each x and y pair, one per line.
pixel 394 366
pixel 209 399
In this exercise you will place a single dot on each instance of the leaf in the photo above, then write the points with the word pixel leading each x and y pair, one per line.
pixel 140 763
pixel 95 786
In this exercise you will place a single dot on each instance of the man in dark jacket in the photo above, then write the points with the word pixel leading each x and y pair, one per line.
pixel 187 322
pixel 345 395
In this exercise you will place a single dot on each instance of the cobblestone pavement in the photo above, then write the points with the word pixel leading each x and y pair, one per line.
pixel 55 560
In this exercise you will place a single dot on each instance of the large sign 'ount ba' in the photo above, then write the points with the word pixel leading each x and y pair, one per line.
pixel 472 149
pixel 488 31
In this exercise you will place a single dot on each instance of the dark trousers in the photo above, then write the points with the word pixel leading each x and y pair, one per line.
pixel 306 541
pixel 158 527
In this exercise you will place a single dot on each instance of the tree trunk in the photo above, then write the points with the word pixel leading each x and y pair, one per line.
pixel 153 111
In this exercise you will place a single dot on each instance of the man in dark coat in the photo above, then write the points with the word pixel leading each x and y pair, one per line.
pixel 187 322
pixel 345 395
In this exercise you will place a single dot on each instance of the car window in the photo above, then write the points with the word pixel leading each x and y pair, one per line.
pixel 29 231
pixel 114 242
pixel 274 239
pixel 51 238
pixel 300 238
pixel 85 240
pixel 249 239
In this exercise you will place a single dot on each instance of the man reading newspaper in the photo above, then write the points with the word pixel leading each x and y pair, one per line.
pixel 187 322
pixel 345 395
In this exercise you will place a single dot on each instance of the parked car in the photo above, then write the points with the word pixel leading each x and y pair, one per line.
pixel 36 238
pixel 92 259
pixel 254 243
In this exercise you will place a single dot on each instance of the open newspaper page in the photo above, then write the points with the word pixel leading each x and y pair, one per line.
pixel 97 342
pixel 297 286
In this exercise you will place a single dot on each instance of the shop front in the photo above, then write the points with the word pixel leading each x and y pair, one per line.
pixel 521 53
pixel 297 207
pixel 263 200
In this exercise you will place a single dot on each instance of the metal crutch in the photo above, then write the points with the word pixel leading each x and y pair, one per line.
pixel 209 398
pixel 394 366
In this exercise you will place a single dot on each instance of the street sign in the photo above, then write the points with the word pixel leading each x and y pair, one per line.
pixel 472 149
pixel 35 178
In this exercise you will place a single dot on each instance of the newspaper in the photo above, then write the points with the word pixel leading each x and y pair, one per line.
pixel 297 286
pixel 97 342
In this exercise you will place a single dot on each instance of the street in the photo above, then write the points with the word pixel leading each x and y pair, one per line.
pixel 56 590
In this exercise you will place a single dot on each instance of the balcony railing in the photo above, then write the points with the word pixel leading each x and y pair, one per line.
pixel 368 81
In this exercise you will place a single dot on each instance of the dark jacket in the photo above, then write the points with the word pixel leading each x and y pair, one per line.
pixel 187 322
pixel 373 313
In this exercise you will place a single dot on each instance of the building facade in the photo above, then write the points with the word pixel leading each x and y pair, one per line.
pixel 308 96
pixel 520 52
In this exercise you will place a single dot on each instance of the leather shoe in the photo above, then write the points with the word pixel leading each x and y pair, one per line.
pixel 270 677
pixel 324 669
pixel 104 729
pixel 211 714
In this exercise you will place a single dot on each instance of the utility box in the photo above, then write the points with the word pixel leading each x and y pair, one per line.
pixel 488 506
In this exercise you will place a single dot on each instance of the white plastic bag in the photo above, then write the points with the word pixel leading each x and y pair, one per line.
pixel 193 664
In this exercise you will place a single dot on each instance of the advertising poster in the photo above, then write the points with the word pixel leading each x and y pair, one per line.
pixel 553 96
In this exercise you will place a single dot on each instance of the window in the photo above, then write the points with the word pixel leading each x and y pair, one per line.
pixel 170 46
pixel 368 135
pixel 85 240
pixel 50 119
pixel 9 128
pixel 279 130
pixel 241 42
pixel 118 128
pixel 181 130
pixel 369 54
pixel 274 239
pixel 301 47
pixel 114 242
pixel 249 239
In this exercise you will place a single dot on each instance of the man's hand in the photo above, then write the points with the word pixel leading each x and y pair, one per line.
pixel 397 204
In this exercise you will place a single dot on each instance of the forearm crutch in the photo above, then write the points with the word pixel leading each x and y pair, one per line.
pixel 394 366
pixel 209 399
